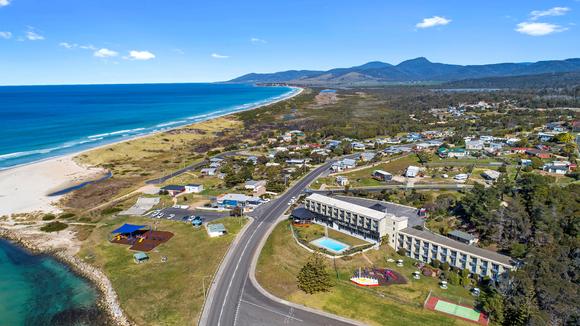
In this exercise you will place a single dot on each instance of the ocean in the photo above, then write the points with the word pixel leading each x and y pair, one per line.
pixel 38 290
pixel 39 122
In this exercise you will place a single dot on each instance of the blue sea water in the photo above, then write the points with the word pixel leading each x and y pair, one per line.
pixel 38 290
pixel 38 122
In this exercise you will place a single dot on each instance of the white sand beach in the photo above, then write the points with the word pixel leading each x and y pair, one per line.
pixel 24 189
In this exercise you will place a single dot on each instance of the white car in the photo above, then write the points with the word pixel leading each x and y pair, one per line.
pixel 160 215
pixel 170 216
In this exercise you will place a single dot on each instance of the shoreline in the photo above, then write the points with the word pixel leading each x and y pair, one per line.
pixel 107 301
pixel 294 91
pixel 25 188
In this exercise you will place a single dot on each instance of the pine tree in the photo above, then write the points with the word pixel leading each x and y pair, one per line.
pixel 313 277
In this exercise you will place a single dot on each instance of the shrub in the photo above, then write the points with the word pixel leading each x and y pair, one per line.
pixel 435 263
pixel 54 226
pixel 402 252
pixel 111 210
pixel 48 217
pixel 66 215
pixel 445 266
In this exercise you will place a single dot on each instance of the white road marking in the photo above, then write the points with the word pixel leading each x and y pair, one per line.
pixel 272 311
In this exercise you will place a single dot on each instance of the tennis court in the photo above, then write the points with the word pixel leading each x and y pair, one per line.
pixel 464 312
pixel 459 311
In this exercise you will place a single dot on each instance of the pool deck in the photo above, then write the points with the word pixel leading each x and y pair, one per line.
pixel 318 243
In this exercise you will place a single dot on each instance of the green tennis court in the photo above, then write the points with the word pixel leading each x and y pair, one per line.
pixel 456 310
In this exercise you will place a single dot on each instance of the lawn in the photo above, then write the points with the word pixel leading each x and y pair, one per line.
pixel 157 293
pixel 281 259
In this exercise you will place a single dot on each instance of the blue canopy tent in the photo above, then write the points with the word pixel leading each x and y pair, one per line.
pixel 127 228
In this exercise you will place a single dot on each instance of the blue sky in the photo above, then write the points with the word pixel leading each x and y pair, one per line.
pixel 144 41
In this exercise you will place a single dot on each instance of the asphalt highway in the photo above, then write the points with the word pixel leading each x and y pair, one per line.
pixel 233 299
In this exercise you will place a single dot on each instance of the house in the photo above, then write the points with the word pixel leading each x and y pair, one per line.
pixel 295 161
pixel 237 200
pixel 474 145
pixel 392 150
pixel 412 171
pixel 344 164
pixel 341 181
pixel 413 137
pixel 252 159
pixel 193 188
pixel 173 190
pixel 456 152
pixel 358 146
pixel 558 167
pixel 258 187
pixel 538 153
pixel 555 126
pixel 546 136
pixel 463 237
pixel 525 162
pixel 442 152
pixel 208 171
pixel 332 144
pixel 461 177
pixel 215 230
pixel 519 150
pixel 367 156
pixel 382 175
pixel 214 165
pixel 491 175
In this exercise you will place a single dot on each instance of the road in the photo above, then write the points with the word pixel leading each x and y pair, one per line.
pixel 234 299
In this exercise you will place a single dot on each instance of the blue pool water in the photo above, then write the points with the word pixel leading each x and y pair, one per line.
pixel 330 244
pixel 38 122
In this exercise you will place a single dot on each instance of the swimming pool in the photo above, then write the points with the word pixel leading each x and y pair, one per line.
pixel 330 245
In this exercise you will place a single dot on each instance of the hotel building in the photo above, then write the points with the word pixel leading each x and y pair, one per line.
pixel 372 220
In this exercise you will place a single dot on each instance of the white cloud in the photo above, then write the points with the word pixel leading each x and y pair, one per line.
pixel 5 35
pixel 105 53
pixel 433 21
pixel 539 29
pixel 34 36
pixel 141 55
pixel 4 3
pixel 88 47
pixel 556 11
pixel 256 40
pixel 67 45
pixel 219 56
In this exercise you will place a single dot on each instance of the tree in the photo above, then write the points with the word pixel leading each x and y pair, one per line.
pixel 564 137
pixel 453 278
pixel 536 163
pixel 313 277
pixel 492 303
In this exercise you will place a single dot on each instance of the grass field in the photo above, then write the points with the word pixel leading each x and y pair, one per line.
pixel 157 293
pixel 281 259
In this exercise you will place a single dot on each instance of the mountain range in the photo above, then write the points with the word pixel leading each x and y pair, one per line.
pixel 418 70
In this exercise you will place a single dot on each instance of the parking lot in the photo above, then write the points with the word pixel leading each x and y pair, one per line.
pixel 181 215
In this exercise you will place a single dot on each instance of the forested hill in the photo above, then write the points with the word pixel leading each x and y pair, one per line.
pixel 549 80
pixel 419 70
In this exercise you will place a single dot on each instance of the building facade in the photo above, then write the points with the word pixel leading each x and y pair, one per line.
pixel 426 246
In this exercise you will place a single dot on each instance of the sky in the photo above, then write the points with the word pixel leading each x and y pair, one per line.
pixel 153 41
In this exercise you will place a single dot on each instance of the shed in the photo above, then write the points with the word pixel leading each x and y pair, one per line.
pixel 216 230
pixel 140 257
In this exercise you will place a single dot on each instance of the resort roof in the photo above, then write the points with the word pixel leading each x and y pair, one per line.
pixel 376 215
pixel 401 211
pixel 462 235
pixel 128 228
